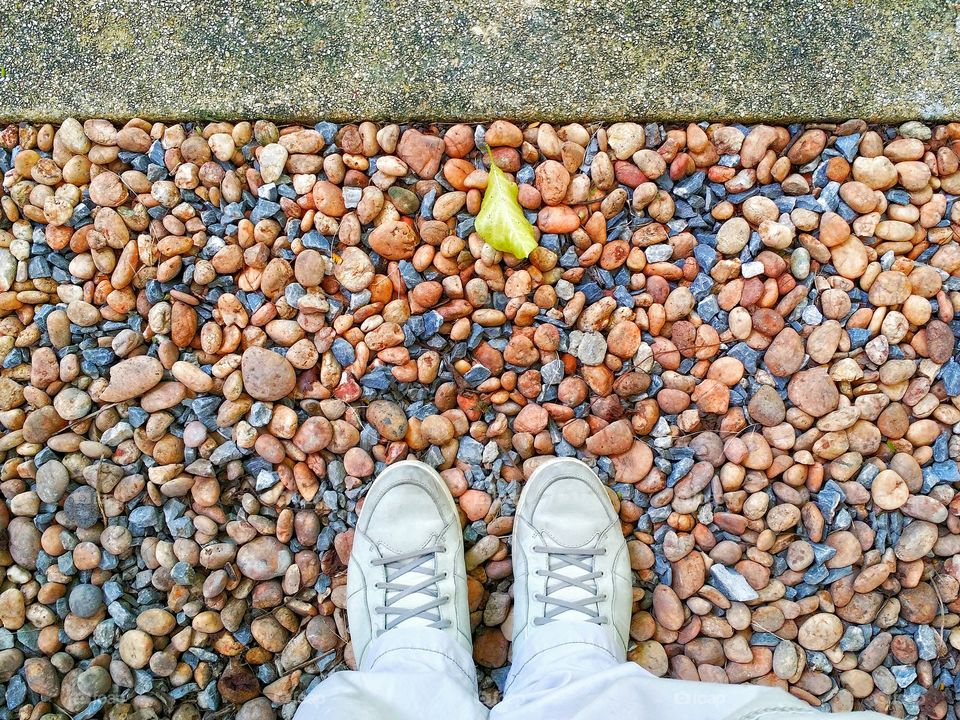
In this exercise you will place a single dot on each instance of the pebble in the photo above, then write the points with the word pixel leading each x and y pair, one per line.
pixel 52 480
pixel 733 236
pixel 132 378
pixel 264 558
pixel 267 375
pixel 820 631
pixel 388 418
pixel 86 600
pixel 219 335
pixel 273 158
pixel 732 584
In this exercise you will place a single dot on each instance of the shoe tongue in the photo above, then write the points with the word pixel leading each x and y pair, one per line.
pixel 564 524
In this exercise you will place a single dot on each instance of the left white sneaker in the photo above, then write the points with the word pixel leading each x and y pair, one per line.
pixel 406 568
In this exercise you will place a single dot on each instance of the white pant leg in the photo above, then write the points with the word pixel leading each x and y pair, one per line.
pixel 571 671
pixel 406 674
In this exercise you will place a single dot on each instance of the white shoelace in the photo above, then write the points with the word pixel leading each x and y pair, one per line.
pixel 570 592
pixel 402 598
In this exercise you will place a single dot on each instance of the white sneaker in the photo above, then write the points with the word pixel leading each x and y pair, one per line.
pixel 570 559
pixel 406 568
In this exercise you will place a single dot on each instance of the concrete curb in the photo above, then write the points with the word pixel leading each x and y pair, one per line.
pixel 779 60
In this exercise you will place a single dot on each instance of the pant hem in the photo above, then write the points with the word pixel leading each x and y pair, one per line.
pixel 470 676
pixel 425 641
pixel 560 634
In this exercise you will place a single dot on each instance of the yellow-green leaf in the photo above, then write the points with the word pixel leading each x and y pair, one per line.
pixel 501 222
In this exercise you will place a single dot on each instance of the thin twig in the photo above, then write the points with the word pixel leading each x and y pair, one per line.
pixel 99 491
pixel 754 623
pixel 228 710
pixel 942 608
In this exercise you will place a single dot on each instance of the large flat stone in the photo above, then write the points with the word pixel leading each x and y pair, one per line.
pixel 432 59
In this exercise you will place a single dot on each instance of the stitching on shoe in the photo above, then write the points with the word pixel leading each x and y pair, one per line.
pixel 591 541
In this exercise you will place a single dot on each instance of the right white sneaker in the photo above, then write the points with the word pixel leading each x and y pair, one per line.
pixel 570 558
pixel 407 568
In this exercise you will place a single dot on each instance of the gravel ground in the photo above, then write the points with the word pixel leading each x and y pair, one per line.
pixel 212 337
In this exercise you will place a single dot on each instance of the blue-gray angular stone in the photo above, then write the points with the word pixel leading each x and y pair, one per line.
pixel 732 584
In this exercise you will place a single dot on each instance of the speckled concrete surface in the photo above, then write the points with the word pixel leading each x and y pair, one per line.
pixel 550 59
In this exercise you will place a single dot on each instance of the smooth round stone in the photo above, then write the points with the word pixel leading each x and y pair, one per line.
pixel 314 435
pixel 733 236
pixel 820 631
pixel 889 288
pixel 940 341
pixel 24 540
pixel 72 404
pixel 41 677
pixel 388 418
pixel 272 159
pixel 156 621
pixel 475 504
pixel 850 258
pixel 916 540
pixel 94 681
pixel 12 609
pixel 85 600
pixel 813 392
pixel 11 660
pixel 787 660
pixel 136 648
pixel 625 138
pixel 267 375
pixel 354 271
pixel 651 656
pixel 358 462
pixel 264 558
pixel 258 708
pixel 858 682
pixel 322 633
pixel 42 424
pixel 107 189
pixel 52 481
pixel 889 491
pixel 785 354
